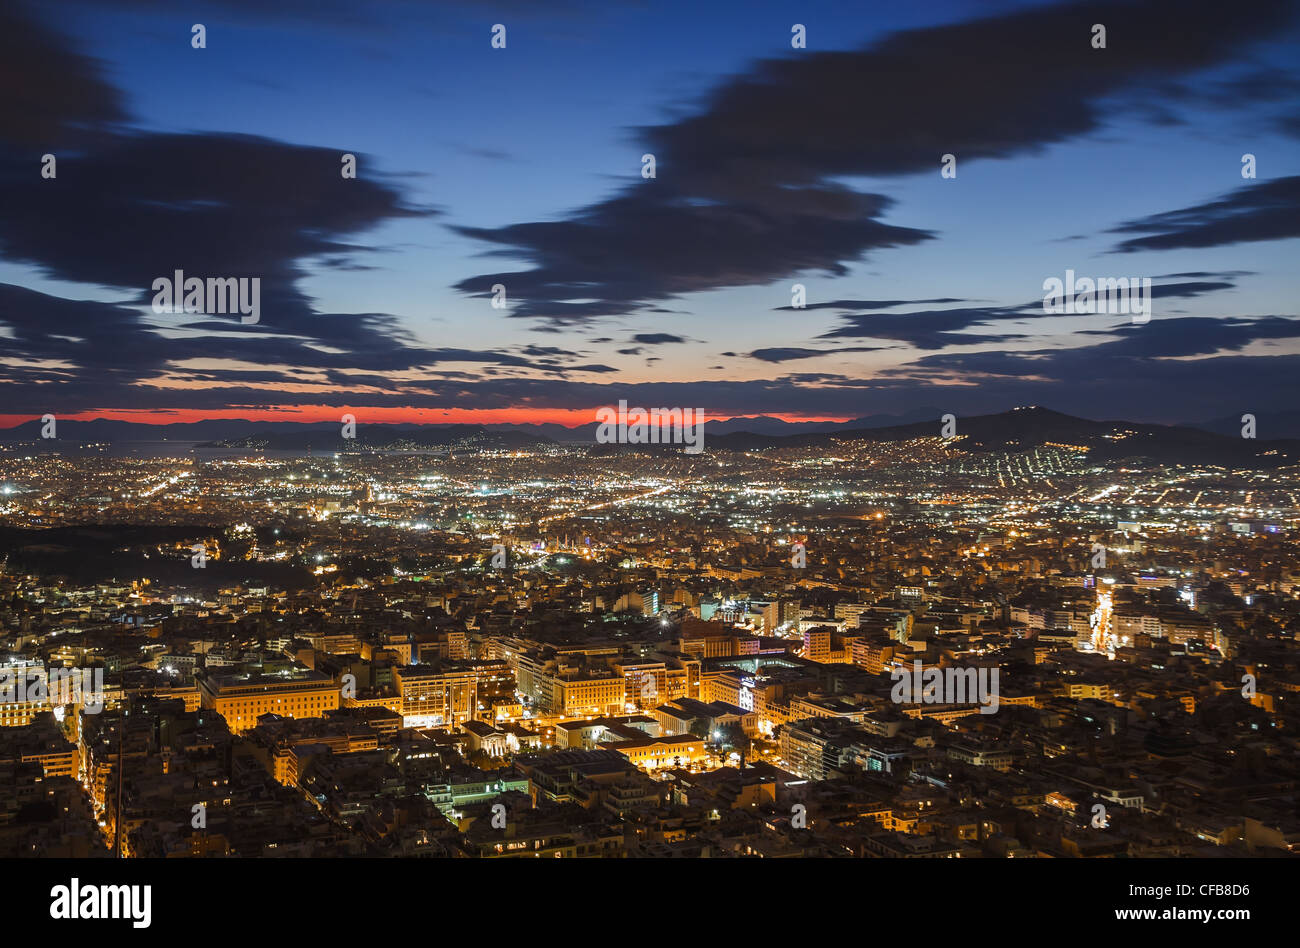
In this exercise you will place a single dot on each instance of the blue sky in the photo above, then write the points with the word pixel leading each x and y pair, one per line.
pixel 533 151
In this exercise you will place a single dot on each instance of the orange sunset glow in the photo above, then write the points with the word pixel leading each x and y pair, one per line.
pixel 388 415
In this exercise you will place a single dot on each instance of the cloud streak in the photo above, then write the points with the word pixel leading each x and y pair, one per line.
pixel 749 186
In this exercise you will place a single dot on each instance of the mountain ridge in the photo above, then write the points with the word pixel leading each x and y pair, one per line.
pixel 1020 428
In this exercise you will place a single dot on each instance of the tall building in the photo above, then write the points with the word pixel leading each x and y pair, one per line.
pixel 433 697
pixel 817 644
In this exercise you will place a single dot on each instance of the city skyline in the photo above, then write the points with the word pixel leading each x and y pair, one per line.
pixel 599 430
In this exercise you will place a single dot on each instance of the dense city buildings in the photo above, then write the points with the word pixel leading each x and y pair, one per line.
pixel 592 430
pixel 919 648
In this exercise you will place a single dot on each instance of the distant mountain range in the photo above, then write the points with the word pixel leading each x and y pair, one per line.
pixel 236 432
pixel 1026 428
pixel 282 435
pixel 1214 442
pixel 1268 424
pixel 755 424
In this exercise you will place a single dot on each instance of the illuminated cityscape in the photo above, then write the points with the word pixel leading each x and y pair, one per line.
pixel 364 652
pixel 618 432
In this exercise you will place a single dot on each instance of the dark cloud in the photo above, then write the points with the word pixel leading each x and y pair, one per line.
pixel 868 304
pixel 1128 377
pixel 792 354
pixel 1159 291
pixel 139 206
pixel 749 191
pixel 1262 84
pixel 1125 377
pixel 543 351
pixel 1191 336
pixel 1205 274
pixel 105 355
pixel 926 329
pixel 128 207
pixel 52 339
pixel 969 92
pixel 50 95
pixel 748 186
pixel 940 328
pixel 1265 210
pixel 651 244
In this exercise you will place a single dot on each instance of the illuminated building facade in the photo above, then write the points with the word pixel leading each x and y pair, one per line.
pixel 241 699
pixel 435 697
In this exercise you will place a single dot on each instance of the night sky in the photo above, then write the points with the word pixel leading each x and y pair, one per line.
pixel 522 166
